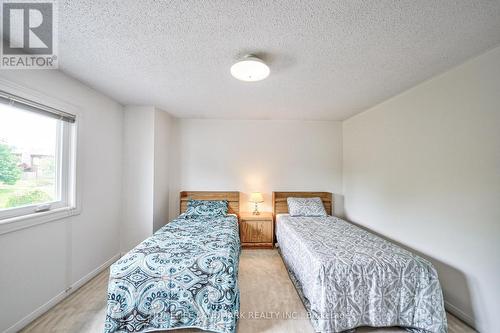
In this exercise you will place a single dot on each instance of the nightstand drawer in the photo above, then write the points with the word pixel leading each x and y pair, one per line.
pixel 256 231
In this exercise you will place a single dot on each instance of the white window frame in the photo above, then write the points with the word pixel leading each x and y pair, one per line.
pixel 69 204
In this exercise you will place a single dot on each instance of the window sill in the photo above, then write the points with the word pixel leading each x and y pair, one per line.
pixel 31 220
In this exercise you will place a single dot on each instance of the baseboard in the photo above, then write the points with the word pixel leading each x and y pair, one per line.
pixel 59 297
pixel 92 274
pixel 37 313
pixel 457 312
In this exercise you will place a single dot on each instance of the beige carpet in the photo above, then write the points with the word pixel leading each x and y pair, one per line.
pixel 269 303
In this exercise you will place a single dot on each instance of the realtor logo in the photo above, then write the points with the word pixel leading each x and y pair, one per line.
pixel 29 34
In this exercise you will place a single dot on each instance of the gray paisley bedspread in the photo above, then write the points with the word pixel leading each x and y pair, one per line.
pixel 348 277
pixel 185 275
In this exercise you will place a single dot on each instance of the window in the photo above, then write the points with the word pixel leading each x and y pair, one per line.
pixel 36 158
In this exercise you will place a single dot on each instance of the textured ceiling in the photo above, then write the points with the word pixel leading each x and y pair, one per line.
pixel 329 59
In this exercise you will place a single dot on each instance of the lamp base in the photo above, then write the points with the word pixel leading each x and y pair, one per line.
pixel 256 210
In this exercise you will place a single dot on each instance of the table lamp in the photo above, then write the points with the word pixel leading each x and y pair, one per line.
pixel 256 197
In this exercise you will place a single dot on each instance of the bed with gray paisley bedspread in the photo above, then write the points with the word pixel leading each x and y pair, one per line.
pixel 348 277
pixel 185 275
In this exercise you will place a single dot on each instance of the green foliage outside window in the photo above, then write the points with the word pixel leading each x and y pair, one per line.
pixel 29 198
pixel 10 173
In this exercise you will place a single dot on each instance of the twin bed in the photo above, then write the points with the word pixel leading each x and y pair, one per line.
pixel 186 274
pixel 348 277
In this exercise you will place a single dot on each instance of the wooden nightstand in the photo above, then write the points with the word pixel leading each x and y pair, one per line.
pixel 256 230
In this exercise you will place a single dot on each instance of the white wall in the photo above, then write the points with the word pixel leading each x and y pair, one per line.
pixel 39 263
pixel 253 155
pixel 146 142
pixel 138 175
pixel 423 168
pixel 162 146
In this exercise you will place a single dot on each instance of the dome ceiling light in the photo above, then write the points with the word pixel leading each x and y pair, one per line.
pixel 250 69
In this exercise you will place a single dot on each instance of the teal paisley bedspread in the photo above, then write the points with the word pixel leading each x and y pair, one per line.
pixel 184 276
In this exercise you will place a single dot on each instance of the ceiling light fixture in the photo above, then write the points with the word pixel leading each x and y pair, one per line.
pixel 250 69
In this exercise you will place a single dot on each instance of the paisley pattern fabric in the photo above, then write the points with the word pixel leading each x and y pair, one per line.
pixel 200 208
pixel 305 207
pixel 348 277
pixel 185 275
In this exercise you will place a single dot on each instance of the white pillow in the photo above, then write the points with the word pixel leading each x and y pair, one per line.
pixel 305 207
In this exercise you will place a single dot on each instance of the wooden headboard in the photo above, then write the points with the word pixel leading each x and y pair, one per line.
pixel 280 205
pixel 233 199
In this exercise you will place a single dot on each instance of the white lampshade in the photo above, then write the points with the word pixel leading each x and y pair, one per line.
pixel 256 197
pixel 250 69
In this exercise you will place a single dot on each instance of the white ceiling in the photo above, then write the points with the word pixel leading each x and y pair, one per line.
pixel 329 59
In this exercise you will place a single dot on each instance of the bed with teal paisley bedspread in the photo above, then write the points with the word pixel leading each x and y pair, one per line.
pixel 184 276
